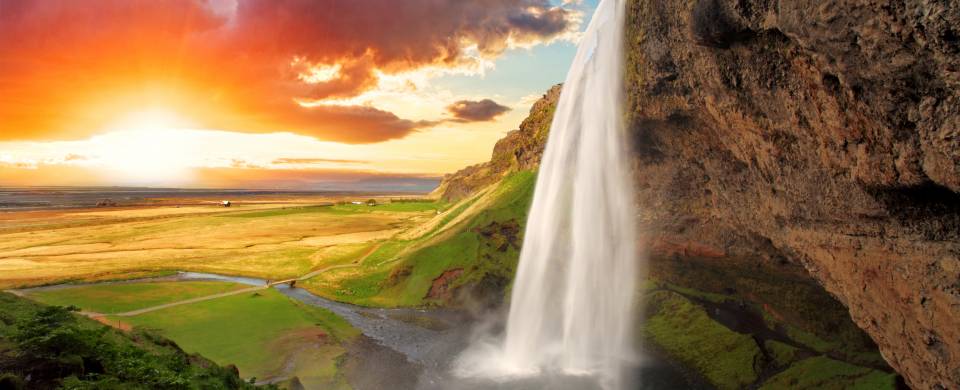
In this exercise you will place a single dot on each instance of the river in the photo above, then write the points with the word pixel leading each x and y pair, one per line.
pixel 429 340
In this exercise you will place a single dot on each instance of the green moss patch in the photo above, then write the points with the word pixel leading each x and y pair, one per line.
pixel 782 354
pixel 827 374
pixel 678 322
pixel 790 302
pixel 683 329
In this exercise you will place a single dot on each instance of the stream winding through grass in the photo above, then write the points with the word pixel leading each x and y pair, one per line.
pixel 428 339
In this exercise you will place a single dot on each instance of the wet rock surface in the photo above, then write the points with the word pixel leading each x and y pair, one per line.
pixel 818 133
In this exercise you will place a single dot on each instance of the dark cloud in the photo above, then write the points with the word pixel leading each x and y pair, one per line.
pixel 349 124
pixel 476 111
pixel 68 67
pixel 393 36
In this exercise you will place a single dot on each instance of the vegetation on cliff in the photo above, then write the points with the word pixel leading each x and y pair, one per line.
pixel 726 341
pixel 760 323
pixel 519 150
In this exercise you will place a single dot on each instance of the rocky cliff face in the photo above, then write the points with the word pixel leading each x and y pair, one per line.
pixel 815 134
pixel 822 133
pixel 520 150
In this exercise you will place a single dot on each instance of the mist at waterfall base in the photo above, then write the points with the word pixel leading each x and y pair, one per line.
pixel 572 304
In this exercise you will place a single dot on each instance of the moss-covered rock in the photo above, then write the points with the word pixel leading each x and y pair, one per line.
pixel 725 340
pixel 683 329
pixel 823 373
pixel 782 354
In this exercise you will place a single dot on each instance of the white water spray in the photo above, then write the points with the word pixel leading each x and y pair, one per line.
pixel 572 297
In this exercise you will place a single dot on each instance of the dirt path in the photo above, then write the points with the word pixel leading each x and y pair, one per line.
pixel 192 300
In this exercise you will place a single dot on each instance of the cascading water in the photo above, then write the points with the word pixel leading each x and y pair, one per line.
pixel 573 294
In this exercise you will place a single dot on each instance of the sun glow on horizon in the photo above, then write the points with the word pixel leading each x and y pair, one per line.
pixel 145 146
pixel 143 155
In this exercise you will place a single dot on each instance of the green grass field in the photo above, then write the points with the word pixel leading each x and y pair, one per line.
pixel 265 334
pixel 124 297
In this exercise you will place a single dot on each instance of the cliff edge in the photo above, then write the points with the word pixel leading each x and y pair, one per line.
pixel 520 149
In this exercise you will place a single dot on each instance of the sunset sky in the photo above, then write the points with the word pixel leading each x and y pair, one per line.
pixel 293 94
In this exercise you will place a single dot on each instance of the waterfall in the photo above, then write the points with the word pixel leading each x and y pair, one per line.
pixel 571 306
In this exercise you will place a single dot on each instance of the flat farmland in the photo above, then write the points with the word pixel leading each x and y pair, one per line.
pixel 271 240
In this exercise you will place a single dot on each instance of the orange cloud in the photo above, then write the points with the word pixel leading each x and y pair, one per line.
pixel 69 69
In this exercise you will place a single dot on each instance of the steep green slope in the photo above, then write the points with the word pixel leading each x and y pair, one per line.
pixel 468 251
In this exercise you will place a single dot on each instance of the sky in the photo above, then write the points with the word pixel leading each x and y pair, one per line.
pixel 295 94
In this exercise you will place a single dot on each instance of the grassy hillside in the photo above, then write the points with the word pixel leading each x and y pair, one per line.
pixel 46 347
pixel 265 334
pixel 472 246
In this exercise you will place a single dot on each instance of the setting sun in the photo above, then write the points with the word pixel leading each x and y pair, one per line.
pixel 145 147
pixel 147 154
